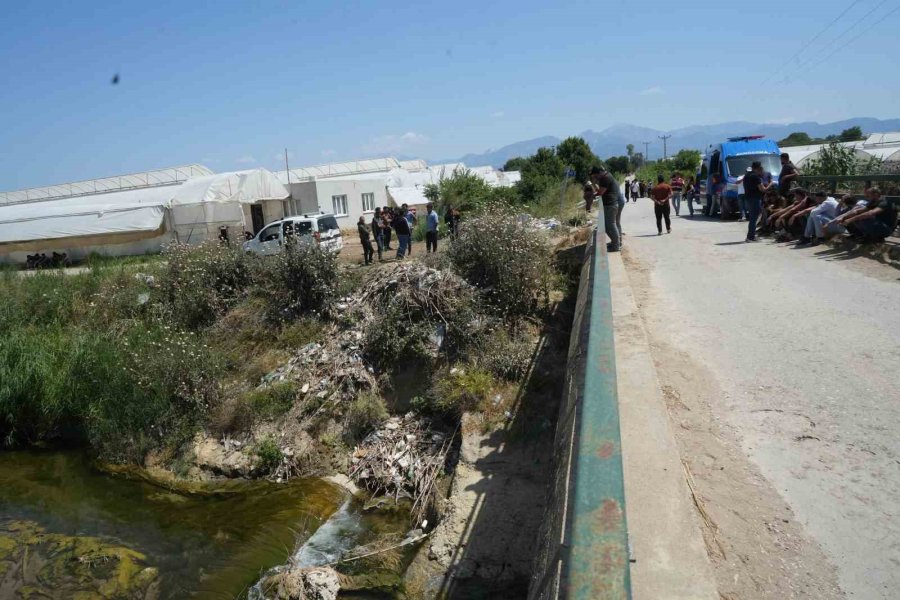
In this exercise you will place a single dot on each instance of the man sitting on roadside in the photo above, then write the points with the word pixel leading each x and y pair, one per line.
pixel 876 222
pixel 823 210
pixel 781 219
pixel 852 209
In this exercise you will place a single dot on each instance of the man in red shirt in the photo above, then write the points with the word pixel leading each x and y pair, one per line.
pixel 677 185
pixel 661 195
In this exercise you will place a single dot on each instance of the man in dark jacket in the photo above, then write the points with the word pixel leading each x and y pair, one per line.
pixel 401 226
pixel 606 188
pixel 368 251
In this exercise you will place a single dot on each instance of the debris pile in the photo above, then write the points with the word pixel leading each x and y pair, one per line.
pixel 534 223
pixel 402 459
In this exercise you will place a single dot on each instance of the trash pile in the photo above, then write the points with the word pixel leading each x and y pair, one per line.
pixel 534 223
pixel 403 459
pixel 415 289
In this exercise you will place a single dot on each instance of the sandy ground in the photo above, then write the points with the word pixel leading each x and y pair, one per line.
pixel 780 370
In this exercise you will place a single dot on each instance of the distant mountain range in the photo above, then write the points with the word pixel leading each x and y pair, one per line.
pixel 613 140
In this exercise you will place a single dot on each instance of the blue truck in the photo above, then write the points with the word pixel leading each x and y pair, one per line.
pixel 724 166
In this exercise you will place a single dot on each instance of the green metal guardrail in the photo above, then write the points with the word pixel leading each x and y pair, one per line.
pixel 584 542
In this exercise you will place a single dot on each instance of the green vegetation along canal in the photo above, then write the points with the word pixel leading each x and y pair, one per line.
pixel 69 530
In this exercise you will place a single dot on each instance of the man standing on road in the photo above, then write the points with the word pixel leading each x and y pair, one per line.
pixel 753 195
pixel 431 229
pixel 605 186
pixel 661 195
pixel 788 176
pixel 368 251
pixel 677 185
pixel 635 190
pixel 627 190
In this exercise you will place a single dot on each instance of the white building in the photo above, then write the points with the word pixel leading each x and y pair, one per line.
pixel 354 189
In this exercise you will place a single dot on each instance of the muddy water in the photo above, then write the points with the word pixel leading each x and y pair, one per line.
pixel 67 529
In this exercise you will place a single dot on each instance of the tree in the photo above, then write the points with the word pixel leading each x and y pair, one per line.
pixel 432 192
pixel 576 153
pixel 515 164
pixel 637 161
pixel 686 161
pixel 630 150
pixel 618 164
pixel 464 190
pixel 835 159
pixel 798 138
pixel 539 172
pixel 852 134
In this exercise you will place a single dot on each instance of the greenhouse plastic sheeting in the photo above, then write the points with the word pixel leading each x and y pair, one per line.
pixel 79 224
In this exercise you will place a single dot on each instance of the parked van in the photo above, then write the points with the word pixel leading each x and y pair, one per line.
pixel 320 228
pixel 724 166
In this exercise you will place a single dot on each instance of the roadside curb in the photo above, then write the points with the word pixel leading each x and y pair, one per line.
pixel 668 552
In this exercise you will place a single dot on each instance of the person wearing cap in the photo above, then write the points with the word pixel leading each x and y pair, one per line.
pixel 605 186
pixel 754 188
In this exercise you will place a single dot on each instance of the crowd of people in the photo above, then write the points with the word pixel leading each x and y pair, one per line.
pixel 389 221
pixel 782 209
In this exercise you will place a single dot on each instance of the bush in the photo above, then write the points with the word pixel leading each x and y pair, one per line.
pixel 510 263
pixel 200 283
pixel 365 413
pixel 272 401
pixel 461 391
pixel 301 280
pixel 269 454
pixel 506 355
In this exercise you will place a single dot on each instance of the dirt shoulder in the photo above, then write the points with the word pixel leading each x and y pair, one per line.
pixel 756 546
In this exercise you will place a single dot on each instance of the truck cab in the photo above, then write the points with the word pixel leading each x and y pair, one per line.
pixel 724 166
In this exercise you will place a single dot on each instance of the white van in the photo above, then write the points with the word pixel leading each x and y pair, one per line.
pixel 320 228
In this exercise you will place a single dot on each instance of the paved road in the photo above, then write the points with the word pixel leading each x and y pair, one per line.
pixel 806 349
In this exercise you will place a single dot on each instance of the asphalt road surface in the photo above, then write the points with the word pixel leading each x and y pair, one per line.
pixel 804 348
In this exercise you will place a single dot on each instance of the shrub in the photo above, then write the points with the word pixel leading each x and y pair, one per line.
pixel 463 390
pixel 200 283
pixel 510 263
pixel 272 401
pixel 365 413
pixel 269 454
pixel 506 355
pixel 301 280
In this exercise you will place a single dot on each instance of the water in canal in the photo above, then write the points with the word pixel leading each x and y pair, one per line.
pixel 68 530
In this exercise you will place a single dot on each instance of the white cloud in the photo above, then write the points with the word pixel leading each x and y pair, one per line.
pixel 245 160
pixel 651 91
pixel 498 115
pixel 393 143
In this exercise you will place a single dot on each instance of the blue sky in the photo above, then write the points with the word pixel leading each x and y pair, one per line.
pixel 231 84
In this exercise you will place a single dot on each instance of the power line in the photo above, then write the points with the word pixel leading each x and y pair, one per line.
pixel 814 38
pixel 861 33
pixel 836 39
pixel 664 138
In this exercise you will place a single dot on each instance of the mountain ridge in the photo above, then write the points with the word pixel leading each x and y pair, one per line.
pixel 613 140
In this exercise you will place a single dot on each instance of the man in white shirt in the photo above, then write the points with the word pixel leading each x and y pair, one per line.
pixel 824 211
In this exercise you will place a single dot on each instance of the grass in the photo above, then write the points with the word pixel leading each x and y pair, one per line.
pixel 268 454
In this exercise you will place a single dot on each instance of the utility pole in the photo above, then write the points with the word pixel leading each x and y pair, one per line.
pixel 664 138
pixel 646 151
pixel 287 169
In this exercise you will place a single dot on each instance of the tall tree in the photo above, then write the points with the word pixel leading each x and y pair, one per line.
pixel 576 153
pixel 630 149
pixel 798 138
pixel 852 134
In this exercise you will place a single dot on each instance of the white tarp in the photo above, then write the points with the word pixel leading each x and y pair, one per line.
pixel 198 205
pixel 74 224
